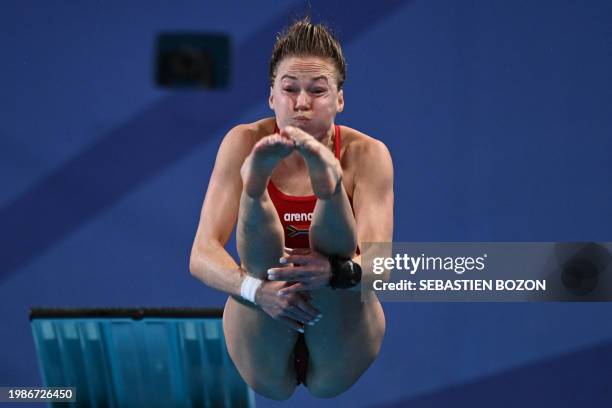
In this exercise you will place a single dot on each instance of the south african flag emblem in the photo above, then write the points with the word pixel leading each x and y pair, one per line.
pixel 294 231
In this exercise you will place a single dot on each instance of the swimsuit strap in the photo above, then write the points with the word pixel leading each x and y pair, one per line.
pixel 337 142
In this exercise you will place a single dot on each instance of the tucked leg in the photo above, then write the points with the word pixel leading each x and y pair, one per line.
pixel 260 347
pixel 259 233
pixel 344 343
pixel 333 229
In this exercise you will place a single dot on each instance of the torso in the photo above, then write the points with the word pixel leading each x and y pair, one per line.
pixel 291 191
pixel 295 211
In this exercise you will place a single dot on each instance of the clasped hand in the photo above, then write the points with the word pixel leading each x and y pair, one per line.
pixel 285 296
pixel 305 270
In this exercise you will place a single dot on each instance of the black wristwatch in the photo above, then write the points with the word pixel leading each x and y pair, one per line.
pixel 345 273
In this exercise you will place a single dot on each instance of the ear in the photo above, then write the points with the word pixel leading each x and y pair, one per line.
pixel 271 99
pixel 340 101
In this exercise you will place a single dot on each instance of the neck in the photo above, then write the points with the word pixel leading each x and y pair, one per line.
pixel 327 137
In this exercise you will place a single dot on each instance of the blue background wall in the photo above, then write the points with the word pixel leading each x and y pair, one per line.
pixel 498 116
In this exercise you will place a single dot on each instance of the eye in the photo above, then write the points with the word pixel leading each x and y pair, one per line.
pixel 290 89
pixel 318 91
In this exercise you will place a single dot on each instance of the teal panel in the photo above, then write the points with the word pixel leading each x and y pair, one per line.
pixel 152 362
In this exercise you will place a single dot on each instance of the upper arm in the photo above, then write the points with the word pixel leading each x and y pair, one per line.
pixel 373 193
pixel 220 209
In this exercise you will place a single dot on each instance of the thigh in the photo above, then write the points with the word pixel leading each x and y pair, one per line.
pixel 261 349
pixel 344 342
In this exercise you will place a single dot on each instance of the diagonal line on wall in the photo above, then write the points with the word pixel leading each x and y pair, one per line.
pixel 100 175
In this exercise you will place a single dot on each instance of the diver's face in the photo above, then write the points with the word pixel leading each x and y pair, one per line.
pixel 305 94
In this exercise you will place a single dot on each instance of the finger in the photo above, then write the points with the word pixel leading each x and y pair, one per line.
pixel 305 295
pixel 297 287
pixel 288 273
pixel 298 251
pixel 292 324
pixel 306 307
pixel 296 259
pixel 281 269
pixel 295 313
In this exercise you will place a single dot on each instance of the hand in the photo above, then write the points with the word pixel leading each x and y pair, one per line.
pixel 293 309
pixel 306 270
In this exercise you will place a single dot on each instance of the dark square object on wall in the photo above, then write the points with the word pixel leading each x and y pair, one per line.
pixel 192 60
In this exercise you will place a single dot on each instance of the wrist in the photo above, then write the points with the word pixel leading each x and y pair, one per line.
pixel 249 288
pixel 345 273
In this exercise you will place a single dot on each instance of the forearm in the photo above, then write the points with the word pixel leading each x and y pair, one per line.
pixel 212 265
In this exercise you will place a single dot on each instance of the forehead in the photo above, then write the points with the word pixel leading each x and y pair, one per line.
pixel 306 67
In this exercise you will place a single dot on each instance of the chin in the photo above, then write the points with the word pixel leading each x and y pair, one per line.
pixel 310 126
pixel 302 125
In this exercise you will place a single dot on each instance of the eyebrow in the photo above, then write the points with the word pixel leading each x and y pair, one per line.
pixel 295 78
pixel 320 77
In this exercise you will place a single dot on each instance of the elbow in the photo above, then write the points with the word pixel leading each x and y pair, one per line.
pixel 196 264
pixel 201 259
pixel 192 265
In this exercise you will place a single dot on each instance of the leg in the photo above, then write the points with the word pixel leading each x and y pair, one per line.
pixel 344 343
pixel 259 233
pixel 260 347
pixel 332 230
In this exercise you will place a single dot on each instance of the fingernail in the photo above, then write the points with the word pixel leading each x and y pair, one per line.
pixel 282 261
pixel 312 323
pixel 300 330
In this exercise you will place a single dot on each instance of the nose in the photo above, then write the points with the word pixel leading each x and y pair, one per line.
pixel 302 102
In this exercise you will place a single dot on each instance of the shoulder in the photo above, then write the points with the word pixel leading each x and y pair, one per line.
pixel 239 140
pixel 250 133
pixel 360 148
